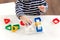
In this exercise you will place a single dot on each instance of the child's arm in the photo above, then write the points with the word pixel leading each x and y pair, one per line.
pixel 20 14
pixel 44 6
pixel 19 10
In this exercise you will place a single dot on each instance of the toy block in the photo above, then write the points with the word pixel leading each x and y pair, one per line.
pixel 38 24
pixel 22 23
pixel 8 27
pixel 17 25
pixel 39 29
pixel 38 19
pixel 56 20
pixel 6 21
pixel 14 28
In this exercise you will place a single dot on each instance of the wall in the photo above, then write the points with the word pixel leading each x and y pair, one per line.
pixel 53 7
pixel 5 1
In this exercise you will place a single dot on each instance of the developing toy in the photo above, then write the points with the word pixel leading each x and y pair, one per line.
pixel 6 21
pixel 13 28
pixel 17 25
pixel 39 29
pixel 22 23
pixel 38 24
pixel 55 21
pixel 8 27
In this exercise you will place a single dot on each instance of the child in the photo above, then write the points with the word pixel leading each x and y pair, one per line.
pixel 30 7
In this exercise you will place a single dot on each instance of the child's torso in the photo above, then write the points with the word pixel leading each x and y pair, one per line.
pixel 31 6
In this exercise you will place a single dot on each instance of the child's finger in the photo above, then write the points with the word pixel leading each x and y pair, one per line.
pixel 29 22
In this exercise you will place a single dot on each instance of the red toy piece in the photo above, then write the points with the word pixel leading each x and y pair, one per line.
pixel 21 23
pixel 56 20
pixel 6 21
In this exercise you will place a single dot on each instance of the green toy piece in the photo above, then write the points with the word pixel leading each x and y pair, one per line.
pixel 8 27
pixel 13 28
pixel 17 25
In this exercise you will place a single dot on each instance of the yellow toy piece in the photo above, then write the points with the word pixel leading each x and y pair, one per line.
pixel 14 28
pixel 37 23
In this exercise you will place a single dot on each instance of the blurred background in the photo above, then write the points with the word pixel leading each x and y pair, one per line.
pixel 54 6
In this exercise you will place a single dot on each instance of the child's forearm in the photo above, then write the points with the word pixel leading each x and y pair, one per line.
pixel 19 10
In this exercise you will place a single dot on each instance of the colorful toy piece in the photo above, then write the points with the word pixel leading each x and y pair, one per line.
pixel 14 28
pixel 38 24
pixel 22 23
pixel 8 27
pixel 55 21
pixel 6 21
pixel 39 29
pixel 17 25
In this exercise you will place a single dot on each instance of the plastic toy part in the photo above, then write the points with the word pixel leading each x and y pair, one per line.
pixel 38 19
pixel 17 25
pixel 14 28
pixel 38 24
pixel 8 27
pixel 6 21
pixel 21 23
pixel 39 29
pixel 55 21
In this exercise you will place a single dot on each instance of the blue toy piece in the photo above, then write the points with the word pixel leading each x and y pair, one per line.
pixel 38 18
pixel 38 26
pixel 40 29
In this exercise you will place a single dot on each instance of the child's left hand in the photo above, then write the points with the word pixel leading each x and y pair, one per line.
pixel 42 8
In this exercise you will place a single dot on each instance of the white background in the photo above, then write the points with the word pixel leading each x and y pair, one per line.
pixel 51 30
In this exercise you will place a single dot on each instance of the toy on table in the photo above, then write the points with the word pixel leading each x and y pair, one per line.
pixel 6 20
pixel 8 27
pixel 38 24
pixel 56 21
pixel 22 23
pixel 13 28
pixel 17 25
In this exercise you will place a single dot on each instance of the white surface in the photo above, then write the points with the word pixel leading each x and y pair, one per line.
pixel 7 9
pixel 51 31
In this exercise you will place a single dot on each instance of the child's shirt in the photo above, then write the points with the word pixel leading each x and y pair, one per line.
pixel 29 7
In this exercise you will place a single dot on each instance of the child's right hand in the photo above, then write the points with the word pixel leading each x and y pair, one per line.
pixel 26 20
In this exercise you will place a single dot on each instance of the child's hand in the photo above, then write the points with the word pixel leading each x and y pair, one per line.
pixel 26 20
pixel 42 8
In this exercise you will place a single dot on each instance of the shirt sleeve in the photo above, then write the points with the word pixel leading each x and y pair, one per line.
pixel 43 2
pixel 18 8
